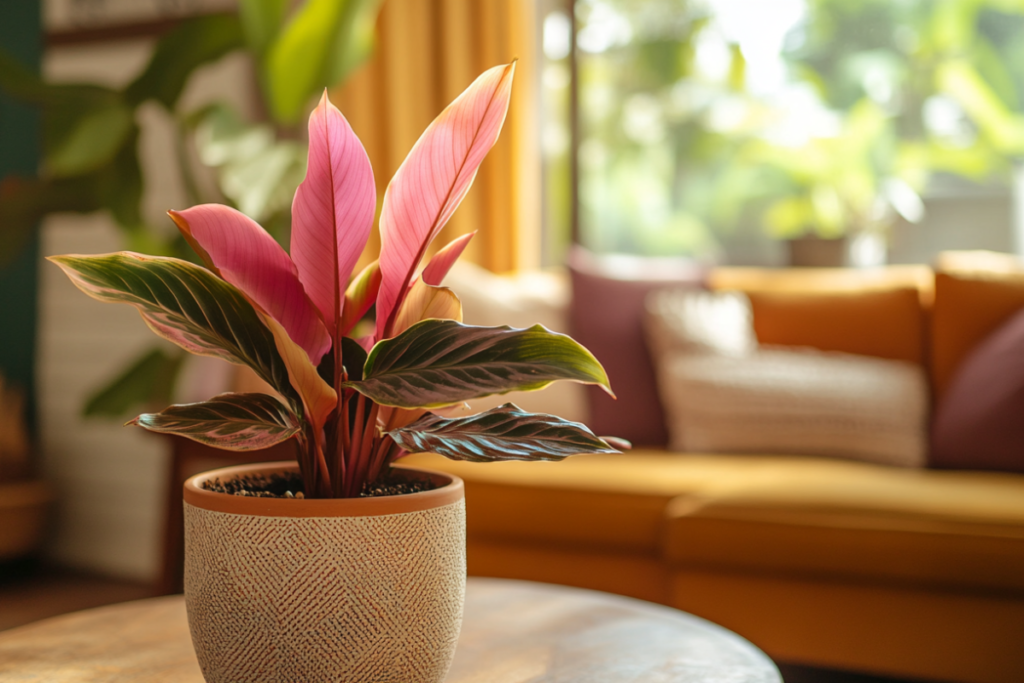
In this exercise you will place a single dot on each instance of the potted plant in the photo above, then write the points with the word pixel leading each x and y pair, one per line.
pixel 328 581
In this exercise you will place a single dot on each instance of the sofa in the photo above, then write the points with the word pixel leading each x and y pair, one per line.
pixel 819 561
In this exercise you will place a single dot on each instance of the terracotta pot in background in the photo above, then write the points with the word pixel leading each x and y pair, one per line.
pixel 367 589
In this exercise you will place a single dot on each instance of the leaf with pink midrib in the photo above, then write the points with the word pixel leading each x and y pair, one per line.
pixel 244 254
pixel 433 180
pixel 332 213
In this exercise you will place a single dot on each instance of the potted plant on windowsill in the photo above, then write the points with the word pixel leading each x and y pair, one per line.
pixel 342 585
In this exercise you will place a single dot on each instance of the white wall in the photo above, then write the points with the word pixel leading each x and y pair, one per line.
pixel 110 479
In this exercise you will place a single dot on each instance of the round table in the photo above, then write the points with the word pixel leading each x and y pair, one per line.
pixel 513 632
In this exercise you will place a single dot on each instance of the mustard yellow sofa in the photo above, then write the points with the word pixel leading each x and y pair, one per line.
pixel 915 573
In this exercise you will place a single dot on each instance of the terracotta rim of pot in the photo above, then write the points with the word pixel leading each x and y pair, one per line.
pixel 450 489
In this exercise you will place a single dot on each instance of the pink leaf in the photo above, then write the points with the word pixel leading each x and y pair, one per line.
pixel 443 260
pixel 241 252
pixel 332 212
pixel 432 181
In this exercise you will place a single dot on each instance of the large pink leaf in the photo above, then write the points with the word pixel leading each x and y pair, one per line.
pixel 332 213
pixel 240 251
pixel 432 181
pixel 443 260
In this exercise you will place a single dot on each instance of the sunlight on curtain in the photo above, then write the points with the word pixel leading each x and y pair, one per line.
pixel 428 51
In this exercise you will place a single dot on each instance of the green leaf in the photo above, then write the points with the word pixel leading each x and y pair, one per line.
pixel 90 140
pixel 503 433
pixel 441 362
pixel 146 382
pixel 190 45
pixel 236 422
pixel 185 304
pixel 318 48
pixel 119 185
pixel 261 20
pixel 354 40
pixel 84 125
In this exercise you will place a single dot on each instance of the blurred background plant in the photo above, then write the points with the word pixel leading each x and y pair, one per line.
pixel 819 117
pixel 91 142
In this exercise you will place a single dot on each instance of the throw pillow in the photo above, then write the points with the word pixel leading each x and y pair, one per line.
pixel 980 420
pixel 781 400
pixel 606 316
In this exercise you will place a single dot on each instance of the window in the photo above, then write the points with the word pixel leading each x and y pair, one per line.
pixel 701 127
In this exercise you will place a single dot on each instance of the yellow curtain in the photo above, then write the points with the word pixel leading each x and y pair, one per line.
pixel 429 51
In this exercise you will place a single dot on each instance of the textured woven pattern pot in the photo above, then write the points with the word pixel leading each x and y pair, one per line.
pixel 345 590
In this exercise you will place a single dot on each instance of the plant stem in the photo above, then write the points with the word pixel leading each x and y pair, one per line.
pixel 355 451
pixel 367 442
pixel 324 477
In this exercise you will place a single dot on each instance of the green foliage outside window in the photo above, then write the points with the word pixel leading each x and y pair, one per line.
pixel 682 140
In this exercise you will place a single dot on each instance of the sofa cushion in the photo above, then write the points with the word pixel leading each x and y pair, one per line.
pixel 980 422
pixel 822 518
pixel 969 306
pixel 797 401
pixel 610 502
pixel 871 312
pixel 606 316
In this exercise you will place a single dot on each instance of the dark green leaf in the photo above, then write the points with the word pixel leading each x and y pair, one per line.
pixel 441 362
pixel 83 125
pixel 148 381
pixel 24 201
pixel 353 357
pixel 236 422
pixel 503 433
pixel 180 52
pixel 185 304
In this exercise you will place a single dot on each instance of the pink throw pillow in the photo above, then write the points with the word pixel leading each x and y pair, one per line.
pixel 980 423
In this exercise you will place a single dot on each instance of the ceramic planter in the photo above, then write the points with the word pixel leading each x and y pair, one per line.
pixel 367 589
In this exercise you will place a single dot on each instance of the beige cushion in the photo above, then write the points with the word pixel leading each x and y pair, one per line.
pixel 797 401
pixel 722 393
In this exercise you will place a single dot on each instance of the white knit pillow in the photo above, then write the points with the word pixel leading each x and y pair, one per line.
pixel 786 400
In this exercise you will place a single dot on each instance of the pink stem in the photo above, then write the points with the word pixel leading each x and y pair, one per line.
pixel 357 446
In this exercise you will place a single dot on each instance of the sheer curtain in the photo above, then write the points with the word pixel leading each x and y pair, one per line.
pixel 427 52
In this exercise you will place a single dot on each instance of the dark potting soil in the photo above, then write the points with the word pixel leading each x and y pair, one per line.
pixel 289 485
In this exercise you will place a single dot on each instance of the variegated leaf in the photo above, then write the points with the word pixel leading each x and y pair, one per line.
pixel 318 398
pixel 503 433
pixel 185 304
pixel 236 422
pixel 440 362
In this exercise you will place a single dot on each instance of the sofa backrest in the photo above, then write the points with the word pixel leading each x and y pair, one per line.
pixel 881 312
pixel 975 293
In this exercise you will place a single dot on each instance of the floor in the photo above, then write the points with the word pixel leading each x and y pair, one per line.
pixel 30 591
